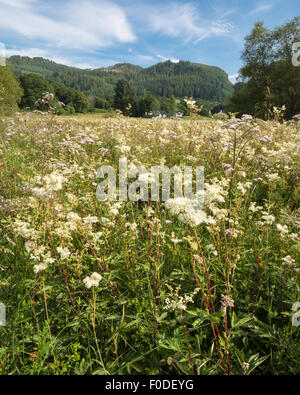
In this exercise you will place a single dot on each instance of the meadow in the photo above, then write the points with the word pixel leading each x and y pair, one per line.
pixel 95 287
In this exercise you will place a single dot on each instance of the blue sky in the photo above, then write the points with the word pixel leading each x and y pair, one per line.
pixel 97 33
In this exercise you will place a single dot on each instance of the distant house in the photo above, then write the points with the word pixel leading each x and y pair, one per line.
pixel 160 114
pixel 164 114
pixel 178 115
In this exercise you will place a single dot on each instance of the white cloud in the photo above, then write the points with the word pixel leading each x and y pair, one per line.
pixel 262 7
pixel 79 24
pixel 163 58
pixel 17 3
pixel 30 52
pixel 184 21
pixel 84 66
pixel 36 52
pixel 233 78
pixel 145 58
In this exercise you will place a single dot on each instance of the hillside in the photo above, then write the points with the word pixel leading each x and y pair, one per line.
pixel 163 79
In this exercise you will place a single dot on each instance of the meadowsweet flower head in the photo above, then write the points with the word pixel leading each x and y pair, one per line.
pixel 179 302
pixel 288 261
pixel 64 253
pixel 40 267
pixel 93 280
pixel 174 239
pixel 282 229
pixel 53 182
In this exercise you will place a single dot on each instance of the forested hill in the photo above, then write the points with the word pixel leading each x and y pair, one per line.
pixel 163 79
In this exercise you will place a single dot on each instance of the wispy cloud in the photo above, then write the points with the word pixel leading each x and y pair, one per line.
pixel 262 7
pixel 145 58
pixel 72 62
pixel 79 24
pixel 184 21
pixel 31 52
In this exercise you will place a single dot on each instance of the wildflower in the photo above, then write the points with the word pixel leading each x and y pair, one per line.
pixel 40 267
pixel 174 240
pixel 266 139
pixel 269 219
pixel 146 178
pixel 90 220
pixel 23 229
pixel 40 193
pixel 232 233
pixel 113 211
pixel 255 208
pixel 247 117
pixel 282 229
pixel 132 227
pixel 273 177
pixel 245 367
pixel 179 302
pixel 212 249
pixel 228 167
pixel 226 302
pixel 64 252
pixel 288 260
pixel 93 280
pixel 53 182
pixel 195 218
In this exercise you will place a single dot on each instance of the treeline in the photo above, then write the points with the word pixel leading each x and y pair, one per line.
pixel 268 78
pixel 163 79
pixel 29 88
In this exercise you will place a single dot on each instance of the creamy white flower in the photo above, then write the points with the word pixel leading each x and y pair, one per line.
pixel 54 182
pixel 282 229
pixel 93 280
pixel 64 252
pixel 113 211
pixel 174 240
pixel 40 193
pixel 194 218
pixel 132 227
pixel 255 208
pixel 212 249
pixel 288 260
pixel 40 267
pixel 90 220
pixel 269 219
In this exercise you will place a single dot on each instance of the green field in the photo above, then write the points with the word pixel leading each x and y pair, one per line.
pixel 174 293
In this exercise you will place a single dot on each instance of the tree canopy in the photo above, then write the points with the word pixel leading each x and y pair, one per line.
pixel 10 91
pixel 268 77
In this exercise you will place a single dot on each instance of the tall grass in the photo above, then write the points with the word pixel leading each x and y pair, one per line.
pixel 174 296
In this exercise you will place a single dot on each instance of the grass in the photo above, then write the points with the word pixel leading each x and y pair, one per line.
pixel 175 296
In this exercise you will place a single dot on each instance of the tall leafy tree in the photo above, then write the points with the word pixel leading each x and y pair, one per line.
pixel 124 97
pixel 173 105
pixel 10 91
pixel 80 102
pixel 34 86
pixel 146 104
pixel 268 77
